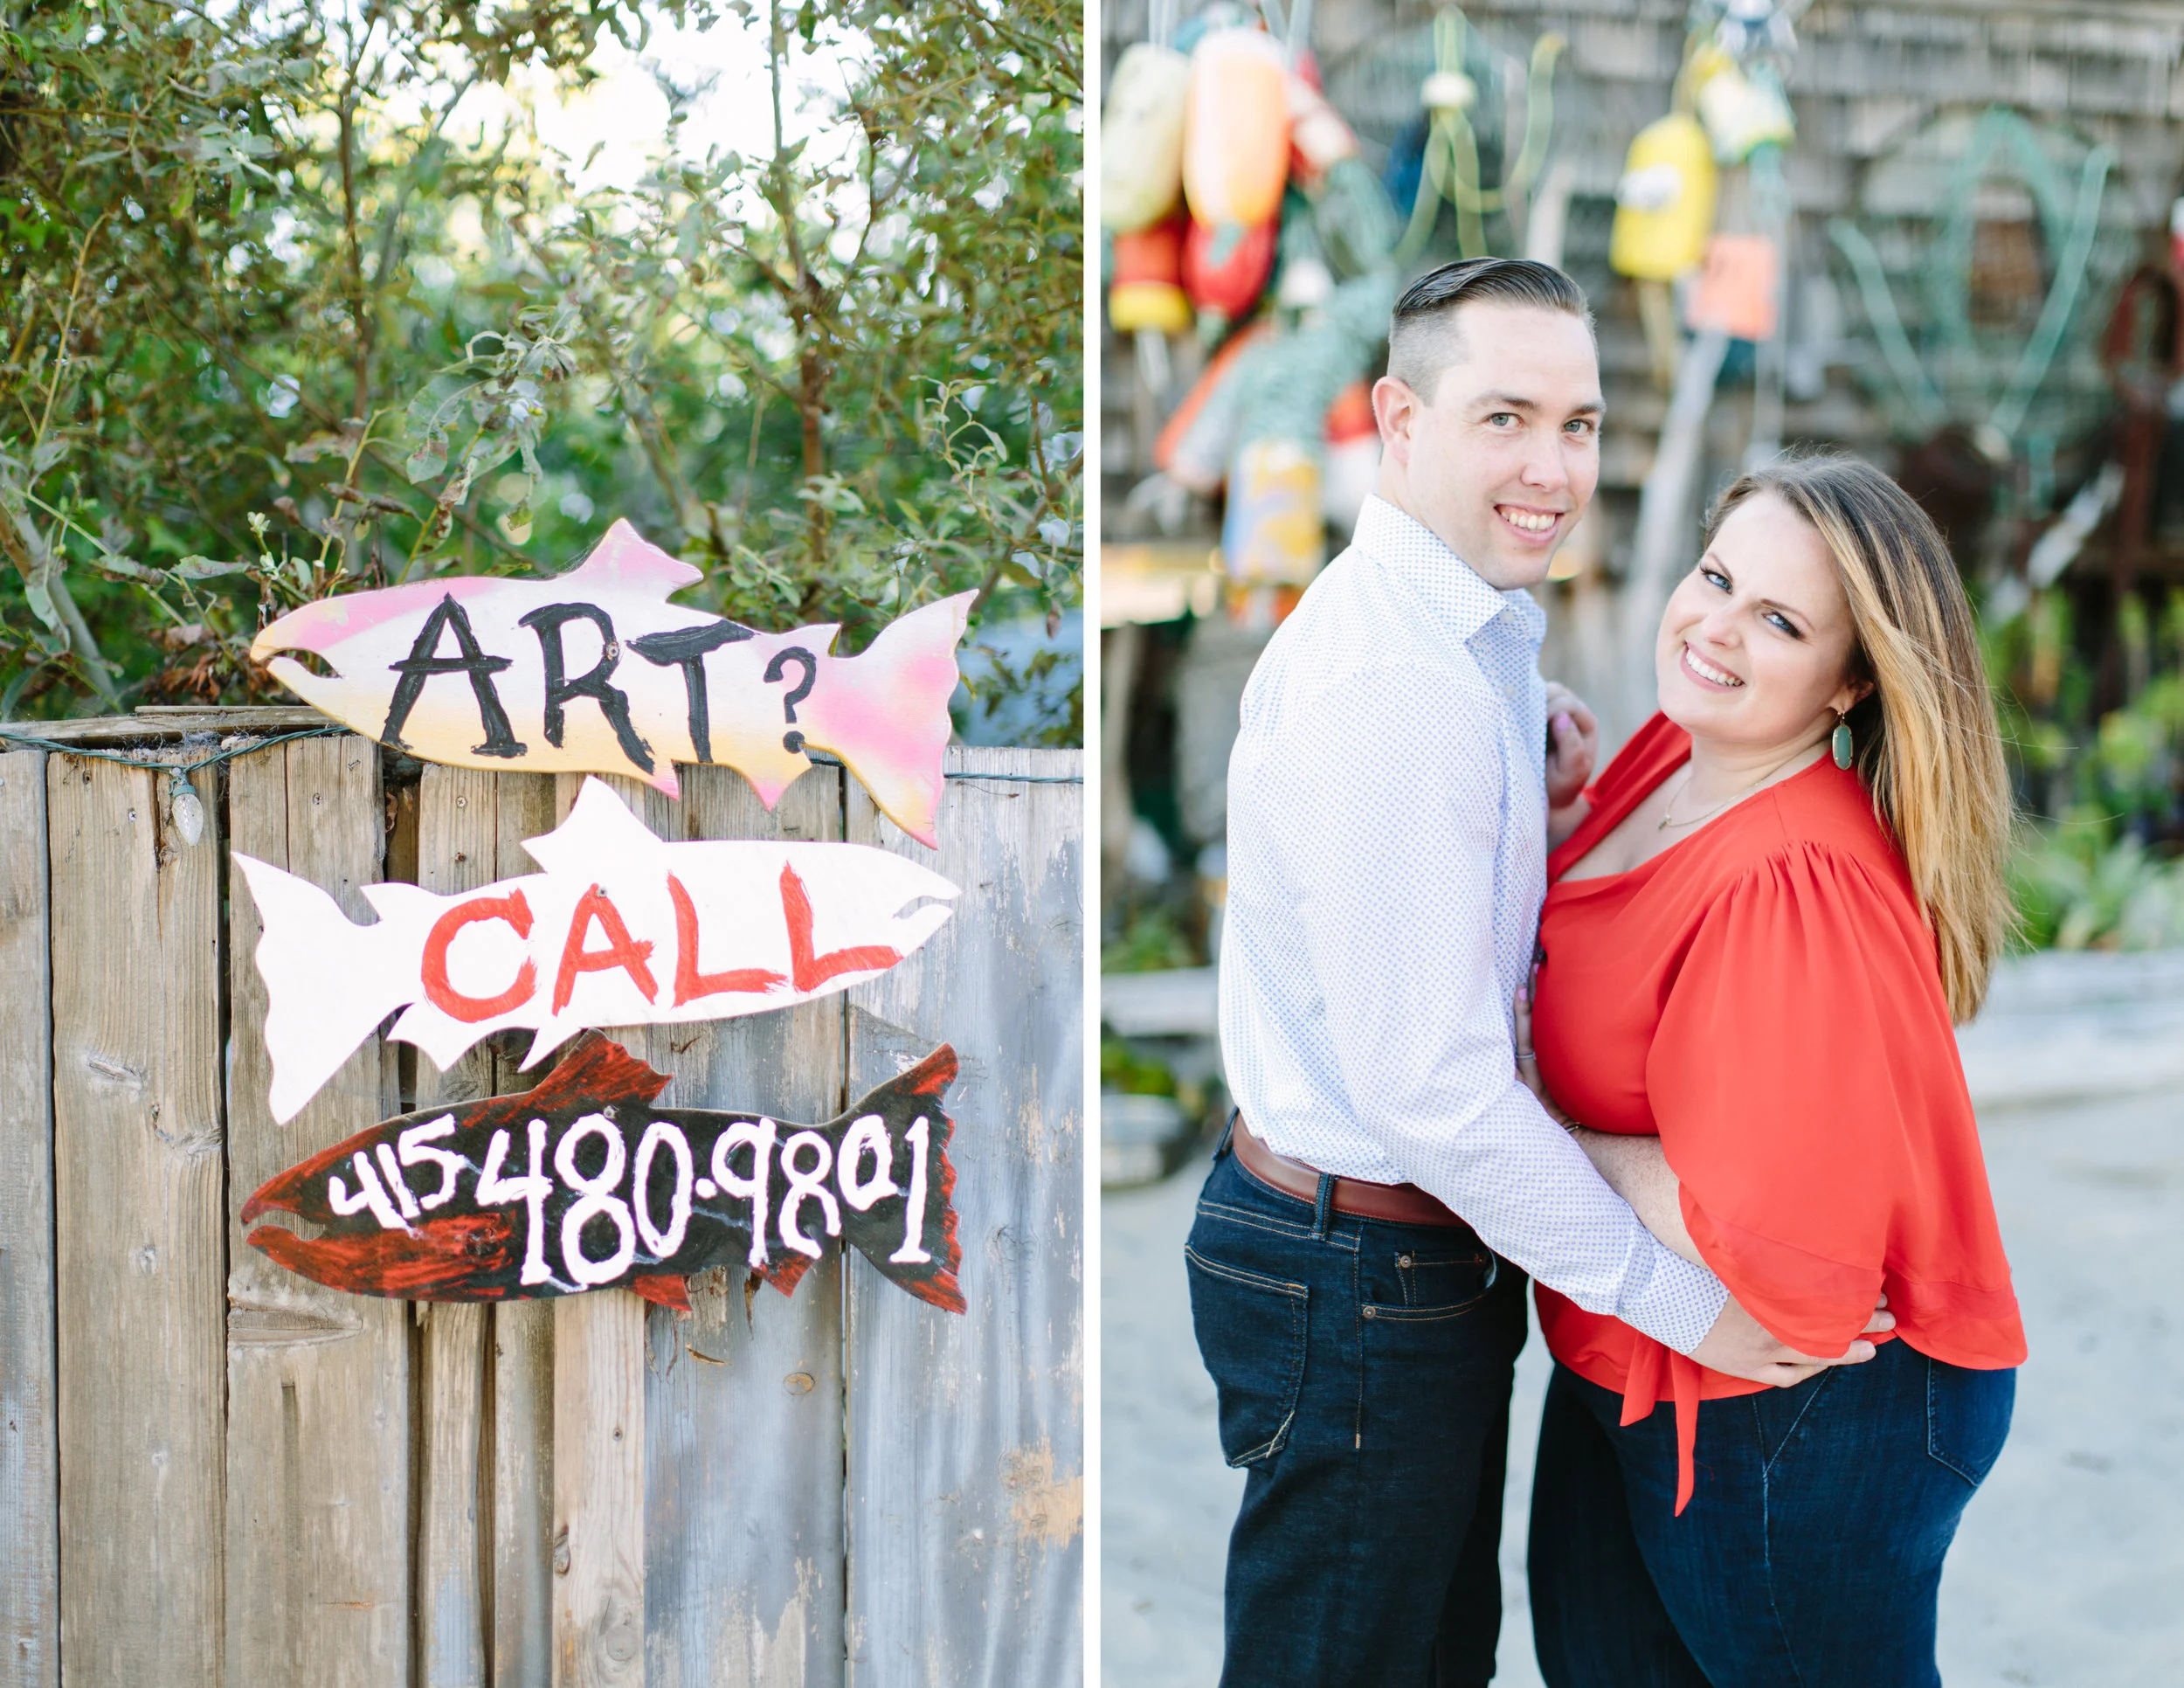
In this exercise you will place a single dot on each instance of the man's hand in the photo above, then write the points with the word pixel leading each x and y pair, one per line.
pixel 1741 1346
pixel 1637 1170
pixel 1573 748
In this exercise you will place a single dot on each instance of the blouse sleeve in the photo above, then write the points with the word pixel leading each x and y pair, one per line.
pixel 1801 1058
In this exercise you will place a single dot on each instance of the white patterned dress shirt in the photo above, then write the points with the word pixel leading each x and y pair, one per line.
pixel 1386 861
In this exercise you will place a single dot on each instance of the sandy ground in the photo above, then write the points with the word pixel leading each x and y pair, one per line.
pixel 2069 1567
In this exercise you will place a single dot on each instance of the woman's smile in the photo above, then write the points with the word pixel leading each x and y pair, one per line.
pixel 1706 674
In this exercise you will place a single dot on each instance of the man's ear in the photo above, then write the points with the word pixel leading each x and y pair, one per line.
pixel 1395 408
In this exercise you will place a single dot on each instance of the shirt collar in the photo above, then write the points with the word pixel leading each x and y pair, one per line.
pixel 1463 604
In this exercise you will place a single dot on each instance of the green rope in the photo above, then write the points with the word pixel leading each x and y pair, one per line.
pixel 1449 167
pixel 2062 303
pixel 2070 226
pixel 1949 265
pixel 1917 387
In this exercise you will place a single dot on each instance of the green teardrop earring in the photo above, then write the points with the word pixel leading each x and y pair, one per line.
pixel 1839 741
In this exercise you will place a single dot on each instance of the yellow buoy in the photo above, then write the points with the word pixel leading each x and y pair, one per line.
pixel 1664 203
pixel 1159 305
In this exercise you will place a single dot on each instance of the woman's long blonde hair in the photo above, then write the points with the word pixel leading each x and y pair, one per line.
pixel 1929 749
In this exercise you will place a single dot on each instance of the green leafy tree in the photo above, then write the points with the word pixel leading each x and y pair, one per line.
pixel 280 322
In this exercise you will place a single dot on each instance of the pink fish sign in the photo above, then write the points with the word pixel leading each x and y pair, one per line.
pixel 621 929
pixel 595 672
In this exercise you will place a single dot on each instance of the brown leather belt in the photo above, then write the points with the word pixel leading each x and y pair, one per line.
pixel 1398 1204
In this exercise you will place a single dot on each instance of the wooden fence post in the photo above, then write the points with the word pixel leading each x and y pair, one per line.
pixel 29 1607
pixel 522 1360
pixel 966 1479
pixel 744 1554
pixel 458 838
pixel 599 1424
pixel 317 1567
pixel 140 1270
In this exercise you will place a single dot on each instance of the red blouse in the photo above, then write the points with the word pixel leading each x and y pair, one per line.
pixel 1764 996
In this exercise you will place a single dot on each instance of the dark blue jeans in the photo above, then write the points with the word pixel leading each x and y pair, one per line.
pixel 1364 1374
pixel 1810 1554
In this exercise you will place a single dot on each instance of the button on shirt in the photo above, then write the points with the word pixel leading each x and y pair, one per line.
pixel 1386 862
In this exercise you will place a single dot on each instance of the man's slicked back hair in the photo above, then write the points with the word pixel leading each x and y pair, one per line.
pixel 1423 339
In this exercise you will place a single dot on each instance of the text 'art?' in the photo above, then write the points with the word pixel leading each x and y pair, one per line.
pixel 621 929
pixel 580 1183
pixel 596 672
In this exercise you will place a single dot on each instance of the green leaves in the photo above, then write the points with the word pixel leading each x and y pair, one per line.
pixel 229 151
pixel 114 566
pixel 754 387
pixel 429 459
pixel 38 589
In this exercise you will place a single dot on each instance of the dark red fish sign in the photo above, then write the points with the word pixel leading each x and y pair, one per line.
pixel 580 1183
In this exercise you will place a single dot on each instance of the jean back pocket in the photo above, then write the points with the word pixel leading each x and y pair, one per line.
pixel 1968 1417
pixel 1251 1331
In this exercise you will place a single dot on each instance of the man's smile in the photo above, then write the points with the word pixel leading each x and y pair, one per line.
pixel 1529 520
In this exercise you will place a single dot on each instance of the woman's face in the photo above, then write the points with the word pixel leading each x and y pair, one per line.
pixel 1755 646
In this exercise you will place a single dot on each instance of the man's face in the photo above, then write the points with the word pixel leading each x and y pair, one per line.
pixel 1502 459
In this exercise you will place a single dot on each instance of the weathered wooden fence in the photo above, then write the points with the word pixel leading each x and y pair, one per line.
pixel 212 1472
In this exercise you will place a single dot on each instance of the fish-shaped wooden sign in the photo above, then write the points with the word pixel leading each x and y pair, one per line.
pixel 621 929
pixel 595 672
pixel 582 1184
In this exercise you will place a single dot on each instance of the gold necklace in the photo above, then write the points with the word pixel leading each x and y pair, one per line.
pixel 1667 809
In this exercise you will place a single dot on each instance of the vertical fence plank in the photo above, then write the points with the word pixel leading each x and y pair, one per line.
pixel 318 1382
pixel 599 1422
pixel 966 1482
pixel 141 1227
pixel 598 1489
pixel 30 1611
pixel 523 1359
pixel 458 837
pixel 743 1563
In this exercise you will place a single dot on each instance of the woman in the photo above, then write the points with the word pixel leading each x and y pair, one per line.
pixel 1786 888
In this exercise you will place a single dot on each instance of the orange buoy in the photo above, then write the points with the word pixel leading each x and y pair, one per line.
pixel 1236 129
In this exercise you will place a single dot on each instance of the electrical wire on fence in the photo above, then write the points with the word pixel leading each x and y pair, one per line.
pixel 188 809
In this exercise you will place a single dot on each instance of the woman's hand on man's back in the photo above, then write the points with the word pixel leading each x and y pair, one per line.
pixel 1574 751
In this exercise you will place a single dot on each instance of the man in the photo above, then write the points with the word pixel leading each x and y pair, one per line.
pixel 1389 804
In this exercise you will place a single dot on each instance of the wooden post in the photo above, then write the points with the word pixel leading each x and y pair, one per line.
pixel 598 1490
pixel 966 1477
pixel 29 1607
pixel 458 836
pixel 140 1277
pixel 744 1558
pixel 599 1424
pixel 523 1359
pixel 318 1382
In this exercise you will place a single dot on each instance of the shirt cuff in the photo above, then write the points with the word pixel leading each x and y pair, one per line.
pixel 1676 1304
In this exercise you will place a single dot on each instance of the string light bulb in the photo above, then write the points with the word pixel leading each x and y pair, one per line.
pixel 185 806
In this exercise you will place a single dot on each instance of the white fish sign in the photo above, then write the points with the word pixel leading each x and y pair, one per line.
pixel 595 672
pixel 621 929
